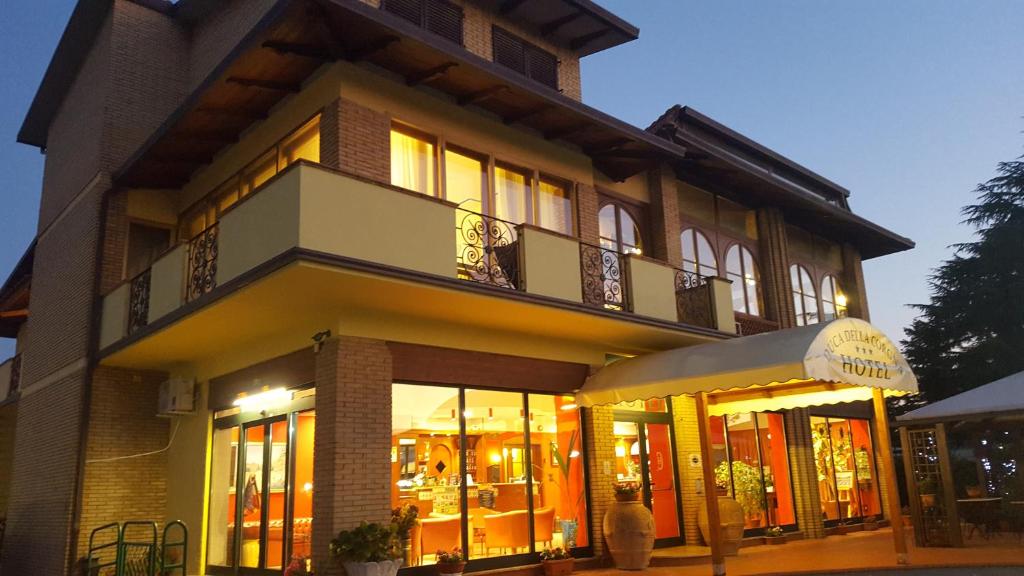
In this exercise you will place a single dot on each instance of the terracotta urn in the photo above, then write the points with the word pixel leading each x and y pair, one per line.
pixel 731 516
pixel 629 532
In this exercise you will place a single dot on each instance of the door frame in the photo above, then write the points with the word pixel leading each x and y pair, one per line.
pixel 641 419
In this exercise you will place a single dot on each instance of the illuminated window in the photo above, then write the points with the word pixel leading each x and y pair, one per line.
pixel 511 191
pixel 303 144
pixel 618 230
pixel 805 301
pixel 845 460
pixel 833 303
pixel 413 163
pixel 698 255
pixel 554 206
pixel 741 268
pixel 465 180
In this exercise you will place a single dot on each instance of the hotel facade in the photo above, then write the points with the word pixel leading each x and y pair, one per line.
pixel 300 262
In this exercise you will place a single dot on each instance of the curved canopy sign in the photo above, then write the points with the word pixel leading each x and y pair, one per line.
pixel 838 361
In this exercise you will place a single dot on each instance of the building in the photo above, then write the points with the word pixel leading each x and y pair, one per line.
pixel 392 232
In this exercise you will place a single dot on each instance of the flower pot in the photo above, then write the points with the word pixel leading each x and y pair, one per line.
pixel 557 567
pixel 928 500
pixel 451 568
pixel 385 568
pixel 730 515
pixel 774 540
pixel 626 497
pixel 629 531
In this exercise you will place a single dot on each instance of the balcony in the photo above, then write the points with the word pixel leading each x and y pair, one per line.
pixel 749 325
pixel 330 221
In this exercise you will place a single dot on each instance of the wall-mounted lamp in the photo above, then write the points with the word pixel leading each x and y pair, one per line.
pixel 319 338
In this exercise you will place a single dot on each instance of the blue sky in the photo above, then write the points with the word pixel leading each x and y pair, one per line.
pixel 908 104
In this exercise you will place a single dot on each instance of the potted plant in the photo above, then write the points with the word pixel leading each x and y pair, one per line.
pixel 570 523
pixel 748 488
pixel 774 535
pixel 299 566
pixel 556 561
pixel 368 550
pixel 628 491
pixel 926 490
pixel 403 519
pixel 451 563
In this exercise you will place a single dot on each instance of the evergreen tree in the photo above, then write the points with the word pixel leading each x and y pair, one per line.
pixel 972 330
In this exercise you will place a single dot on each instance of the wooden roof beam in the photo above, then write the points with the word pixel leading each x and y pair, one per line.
pixel 580 42
pixel 429 74
pixel 370 48
pixel 210 137
pixel 261 84
pixel 304 50
pixel 520 116
pixel 614 145
pixel 236 112
pixel 481 95
pixel 553 26
pixel 568 131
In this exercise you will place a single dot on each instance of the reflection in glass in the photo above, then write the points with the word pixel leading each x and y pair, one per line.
pixel 223 476
pixel 618 230
pixel 829 298
pixel 805 301
pixel 253 496
pixel 698 255
pixel 746 280
pixel 559 509
pixel 844 457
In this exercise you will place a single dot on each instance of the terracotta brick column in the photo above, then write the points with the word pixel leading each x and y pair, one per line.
pixel 598 425
pixel 665 227
pixel 852 284
pixel 803 473
pixel 356 139
pixel 774 256
pixel 352 441
pixel 586 213
pixel 684 414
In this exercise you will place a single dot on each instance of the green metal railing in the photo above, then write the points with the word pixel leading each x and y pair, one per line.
pixel 133 549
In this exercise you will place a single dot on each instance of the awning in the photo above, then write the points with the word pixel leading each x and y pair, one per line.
pixel 1001 398
pixel 838 361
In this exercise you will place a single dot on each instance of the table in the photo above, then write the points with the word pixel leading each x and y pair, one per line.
pixel 980 513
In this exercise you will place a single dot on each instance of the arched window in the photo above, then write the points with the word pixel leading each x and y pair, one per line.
pixel 698 255
pixel 746 280
pixel 805 301
pixel 833 302
pixel 618 230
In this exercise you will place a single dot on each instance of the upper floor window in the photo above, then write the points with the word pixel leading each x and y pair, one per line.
pixel 554 206
pixel 438 16
pixel 833 302
pixel 698 255
pixel 741 268
pixel 618 230
pixel 413 162
pixel 529 60
pixel 145 244
pixel 805 301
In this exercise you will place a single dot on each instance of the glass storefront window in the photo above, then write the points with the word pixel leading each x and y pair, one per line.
pixel 223 476
pixel 302 487
pixel 844 458
pixel 751 465
pixel 523 470
pixel 413 163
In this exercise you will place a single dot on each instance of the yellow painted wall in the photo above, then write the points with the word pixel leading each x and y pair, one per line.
pixel 188 472
pixel 167 282
pixel 652 289
pixel 634 187
pixel 158 206
pixel 551 265
pixel 721 303
pixel 115 312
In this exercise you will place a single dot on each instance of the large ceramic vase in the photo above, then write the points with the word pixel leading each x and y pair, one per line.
pixel 731 516
pixel 629 532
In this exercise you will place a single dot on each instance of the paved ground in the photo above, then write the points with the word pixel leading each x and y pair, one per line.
pixel 871 551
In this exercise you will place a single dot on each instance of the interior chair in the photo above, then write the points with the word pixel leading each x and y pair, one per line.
pixel 544 525
pixel 507 531
pixel 432 534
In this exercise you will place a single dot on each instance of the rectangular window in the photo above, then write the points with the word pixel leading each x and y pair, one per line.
pixel 525 58
pixel 519 469
pixel 465 180
pixel 303 144
pixel 511 194
pixel 844 457
pixel 438 16
pixel 413 163
pixel 554 206
pixel 145 244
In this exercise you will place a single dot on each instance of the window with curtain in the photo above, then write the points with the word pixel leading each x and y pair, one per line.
pixel 465 180
pixel 511 194
pixel 805 301
pixel 741 268
pixel 413 162
pixel 698 255
pixel 618 230
pixel 832 301
pixel 554 206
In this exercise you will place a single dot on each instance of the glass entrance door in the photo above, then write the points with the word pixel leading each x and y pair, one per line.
pixel 260 493
pixel 644 454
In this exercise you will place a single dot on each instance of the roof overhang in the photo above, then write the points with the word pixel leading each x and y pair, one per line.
pixel 840 361
pixel 724 161
pixel 580 25
pixel 296 38
pixel 1001 399
pixel 14 294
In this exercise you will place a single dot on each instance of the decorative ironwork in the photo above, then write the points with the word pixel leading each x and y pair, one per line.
pixel 603 272
pixel 138 301
pixel 202 263
pixel 749 325
pixel 693 300
pixel 15 375
pixel 928 488
pixel 487 250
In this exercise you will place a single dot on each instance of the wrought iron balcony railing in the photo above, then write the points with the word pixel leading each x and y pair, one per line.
pixel 749 325
pixel 604 272
pixel 138 301
pixel 487 249
pixel 202 263
pixel 694 300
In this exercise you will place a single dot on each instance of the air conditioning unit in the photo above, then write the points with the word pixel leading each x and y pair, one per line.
pixel 177 397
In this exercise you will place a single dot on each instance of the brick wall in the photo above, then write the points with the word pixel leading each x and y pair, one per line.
pixel 122 423
pixel 363 140
pixel 687 433
pixel 599 433
pixel 8 422
pixel 115 240
pixel 803 473
pixel 352 440
pixel 774 262
pixel 42 491
pixel 586 213
pixel 852 284
pixel 665 228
